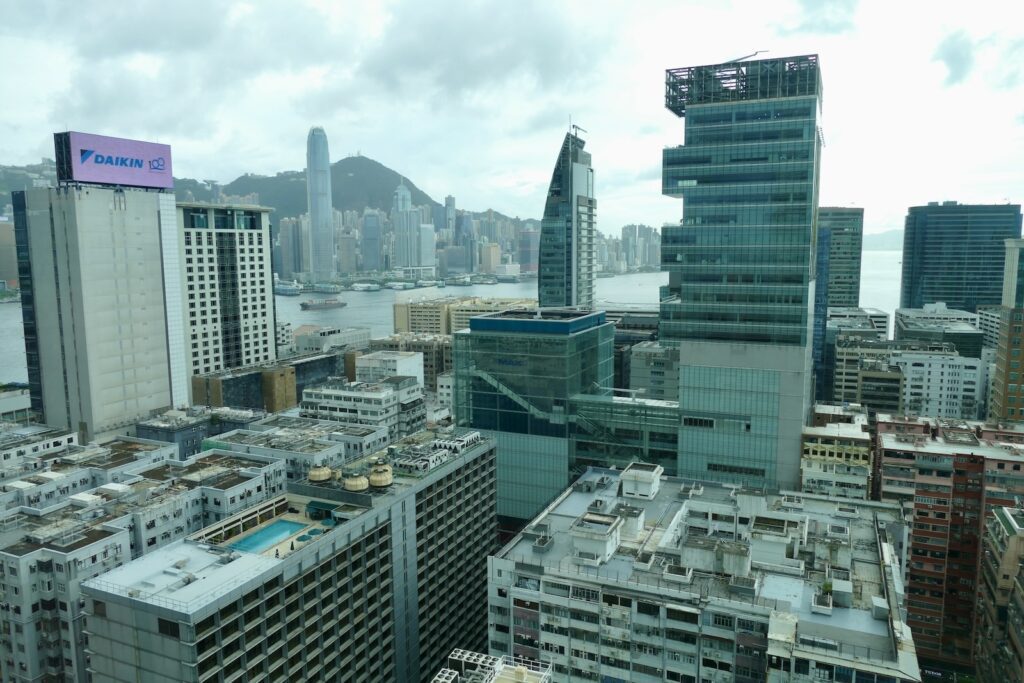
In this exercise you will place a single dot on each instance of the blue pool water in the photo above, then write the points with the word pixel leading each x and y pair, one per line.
pixel 268 536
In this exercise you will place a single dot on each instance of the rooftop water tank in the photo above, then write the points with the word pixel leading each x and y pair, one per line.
pixel 356 481
pixel 319 474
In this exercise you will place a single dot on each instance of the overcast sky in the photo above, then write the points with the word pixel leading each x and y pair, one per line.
pixel 922 100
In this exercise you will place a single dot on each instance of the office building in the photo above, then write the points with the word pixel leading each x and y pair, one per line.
pixel 854 352
pixel 739 302
pixel 490 257
pixel 989 321
pixel 867 324
pixel 999 638
pixel 348 254
pixel 1007 396
pixel 268 386
pixel 449 217
pixel 320 202
pixel 8 255
pixel 292 248
pixel 514 375
pixel 880 387
pixel 395 404
pixel 942 384
pixel 846 229
pixel 405 222
pixel 365 578
pixel 324 339
pixel 837 458
pixel 227 286
pixel 939 323
pixel 819 324
pixel 445 315
pixel 379 365
pixel 473 667
pixel 371 247
pixel 876 318
pixel 954 474
pixel 436 350
pixel 954 253
pixel 632 576
pixel 566 264
pixel 529 251
pixel 105 333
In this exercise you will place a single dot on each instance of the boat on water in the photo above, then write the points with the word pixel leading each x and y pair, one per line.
pixel 427 283
pixel 287 288
pixel 365 287
pixel 400 285
pixel 322 304
pixel 327 288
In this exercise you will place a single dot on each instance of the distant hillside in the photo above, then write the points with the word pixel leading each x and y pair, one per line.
pixel 884 241
pixel 356 182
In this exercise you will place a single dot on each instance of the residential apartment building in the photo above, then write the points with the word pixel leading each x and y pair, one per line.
pixel 1007 395
pixel 837 458
pixel 999 638
pixel 953 474
pixel 632 576
pixel 846 229
pixel 395 404
pixel 365 578
pixel 227 285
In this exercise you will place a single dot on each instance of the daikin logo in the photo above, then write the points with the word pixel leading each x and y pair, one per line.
pixel 108 160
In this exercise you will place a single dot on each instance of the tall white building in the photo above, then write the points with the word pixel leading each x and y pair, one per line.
pixel 379 365
pixel 942 384
pixel 227 286
pixel 321 214
pixel 105 332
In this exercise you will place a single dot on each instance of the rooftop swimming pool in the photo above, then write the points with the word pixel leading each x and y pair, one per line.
pixel 268 536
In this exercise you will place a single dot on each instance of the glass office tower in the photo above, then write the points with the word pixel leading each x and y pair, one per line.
pixel 846 226
pixel 567 245
pixel 954 253
pixel 739 302
pixel 514 375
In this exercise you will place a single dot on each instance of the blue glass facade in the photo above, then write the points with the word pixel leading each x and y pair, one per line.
pixel 954 253
pixel 822 379
pixel 741 264
pixel 567 245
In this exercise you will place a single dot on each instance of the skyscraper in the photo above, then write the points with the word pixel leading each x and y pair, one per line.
pixel 566 269
pixel 321 213
pixel 370 247
pixel 954 253
pixel 449 216
pixel 846 227
pixel 406 223
pixel 741 263
pixel 98 263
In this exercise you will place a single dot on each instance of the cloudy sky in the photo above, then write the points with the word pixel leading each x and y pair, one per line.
pixel 922 101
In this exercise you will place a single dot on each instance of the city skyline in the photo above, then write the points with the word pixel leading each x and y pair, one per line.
pixel 491 150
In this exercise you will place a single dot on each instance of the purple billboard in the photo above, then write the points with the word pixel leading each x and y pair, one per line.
pixel 88 158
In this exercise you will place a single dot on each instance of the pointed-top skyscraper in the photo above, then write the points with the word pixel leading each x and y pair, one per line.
pixel 566 262
pixel 321 212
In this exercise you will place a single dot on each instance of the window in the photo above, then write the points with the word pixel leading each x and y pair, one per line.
pixel 168 628
pixel 99 609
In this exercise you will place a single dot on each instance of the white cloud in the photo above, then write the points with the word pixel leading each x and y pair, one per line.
pixel 473 98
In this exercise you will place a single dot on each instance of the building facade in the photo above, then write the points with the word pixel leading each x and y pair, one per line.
pixel 395 404
pixel 954 253
pixel 739 302
pixel 566 265
pixel 999 636
pixel 838 458
pixel 712 594
pixel 227 290
pixel 369 597
pixel 846 227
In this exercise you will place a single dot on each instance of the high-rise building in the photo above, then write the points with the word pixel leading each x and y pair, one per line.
pixel 739 302
pixel 938 323
pixel 515 372
pixel 529 250
pixel 846 227
pixel 954 253
pixel 837 459
pixel 999 637
pixel 567 242
pixel 490 257
pixel 426 251
pixel 954 475
pixel 227 287
pixel 8 255
pixel 348 253
pixel 370 247
pixel 374 576
pixel 1007 395
pixel 101 283
pixel 822 382
pixel 449 216
pixel 632 576
pixel 319 200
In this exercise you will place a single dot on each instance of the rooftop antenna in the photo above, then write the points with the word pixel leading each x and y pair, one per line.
pixel 753 54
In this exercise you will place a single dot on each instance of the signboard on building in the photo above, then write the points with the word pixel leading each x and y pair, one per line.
pixel 87 158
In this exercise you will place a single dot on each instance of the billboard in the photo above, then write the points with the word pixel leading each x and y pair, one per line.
pixel 87 158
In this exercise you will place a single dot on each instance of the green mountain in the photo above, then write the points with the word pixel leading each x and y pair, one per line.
pixel 356 182
pixel 890 240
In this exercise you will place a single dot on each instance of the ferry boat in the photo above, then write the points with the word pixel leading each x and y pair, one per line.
pixel 326 288
pixel 287 288
pixel 365 287
pixel 322 304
